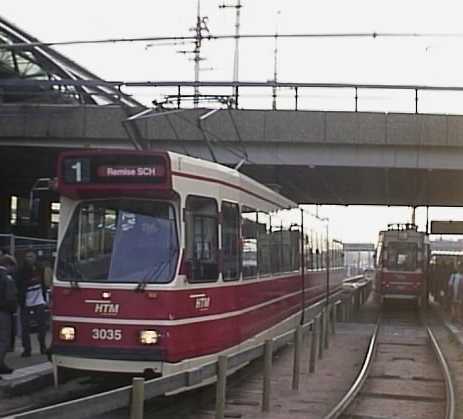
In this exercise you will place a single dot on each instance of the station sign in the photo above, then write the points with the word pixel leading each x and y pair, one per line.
pixel 446 227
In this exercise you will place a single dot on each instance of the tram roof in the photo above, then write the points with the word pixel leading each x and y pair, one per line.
pixel 226 175
pixel 447 253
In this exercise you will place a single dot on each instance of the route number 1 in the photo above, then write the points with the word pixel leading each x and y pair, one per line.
pixel 78 169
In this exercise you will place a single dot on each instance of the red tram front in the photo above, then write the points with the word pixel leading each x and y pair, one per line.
pixel 402 257
pixel 164 261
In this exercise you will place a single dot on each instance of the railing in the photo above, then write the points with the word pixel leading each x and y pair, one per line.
pixel 19 245
pixel 249 95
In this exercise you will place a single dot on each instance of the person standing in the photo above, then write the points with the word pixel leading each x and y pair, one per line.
pixel 454 293
pixel 32 300
pixel 459 291
pixel 8 305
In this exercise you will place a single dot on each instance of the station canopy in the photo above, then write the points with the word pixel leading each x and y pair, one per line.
pixel 19 65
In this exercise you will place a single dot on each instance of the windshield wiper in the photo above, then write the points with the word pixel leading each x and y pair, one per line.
pixel 157 270
pixel 72 270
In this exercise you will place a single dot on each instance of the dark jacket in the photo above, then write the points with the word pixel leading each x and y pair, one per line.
pixel 8 292
pixel 28 276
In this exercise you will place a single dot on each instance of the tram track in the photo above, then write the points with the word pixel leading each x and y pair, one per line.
pixel 404 373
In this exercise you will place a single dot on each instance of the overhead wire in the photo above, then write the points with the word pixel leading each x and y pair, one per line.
pixel 210 37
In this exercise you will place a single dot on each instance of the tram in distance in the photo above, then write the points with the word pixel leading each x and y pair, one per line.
pixel 402 257
pixel 165 261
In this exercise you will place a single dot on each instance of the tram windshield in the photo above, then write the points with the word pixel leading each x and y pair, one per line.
pixel 401 256
pixel 120 241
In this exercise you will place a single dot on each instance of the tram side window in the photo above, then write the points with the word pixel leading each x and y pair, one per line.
pixel 202 238
pixel 263 243
pixel 285 243
pixel 309 250
pixel 230 241
pixel 276 243
pixel 379 254
pixel 317 259
pixel 295 250
pixel 249 233
pixel 310 259
pixel 323 251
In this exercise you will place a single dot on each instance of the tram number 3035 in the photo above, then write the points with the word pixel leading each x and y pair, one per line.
pixel 106 334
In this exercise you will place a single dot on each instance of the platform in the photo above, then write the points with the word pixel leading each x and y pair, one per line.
pixel 26 369
pixel 318 391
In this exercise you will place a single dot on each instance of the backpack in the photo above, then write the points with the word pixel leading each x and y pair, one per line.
pixel 8 292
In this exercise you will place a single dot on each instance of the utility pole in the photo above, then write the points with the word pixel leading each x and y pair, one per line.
pixel 236 57
pixel 197 51
pixel 275 65
pixel 200 29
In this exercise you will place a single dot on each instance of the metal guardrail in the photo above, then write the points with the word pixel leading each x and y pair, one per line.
pixel 18 245
pixel 353 279
pixel 230 94
pixel 450 391
pixel 122 397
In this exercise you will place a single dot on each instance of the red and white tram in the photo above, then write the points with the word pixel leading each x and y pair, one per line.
pixel 402 258
pixel 165 261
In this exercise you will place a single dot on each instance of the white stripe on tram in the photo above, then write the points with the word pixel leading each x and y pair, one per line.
pixel 174 322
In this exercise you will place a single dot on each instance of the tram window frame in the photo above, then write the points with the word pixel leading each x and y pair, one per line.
pixel 235 258
pixel 191 218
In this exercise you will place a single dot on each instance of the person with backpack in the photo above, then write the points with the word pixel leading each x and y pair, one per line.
pixel 33 301
pixel 8 305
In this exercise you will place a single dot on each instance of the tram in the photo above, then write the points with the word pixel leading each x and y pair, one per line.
pixel 166 261
pixel 401 266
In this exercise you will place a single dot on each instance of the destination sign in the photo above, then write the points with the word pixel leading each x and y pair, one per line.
pixel 111 169
pixel 131 171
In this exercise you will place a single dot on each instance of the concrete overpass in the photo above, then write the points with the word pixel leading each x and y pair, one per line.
pixel 311 156
pixel 49 102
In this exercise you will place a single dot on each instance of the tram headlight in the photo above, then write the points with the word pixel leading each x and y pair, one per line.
pixel 149 337
pixel 67 333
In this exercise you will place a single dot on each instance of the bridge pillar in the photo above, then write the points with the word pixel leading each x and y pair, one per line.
pixel 44 216
pixel 5 213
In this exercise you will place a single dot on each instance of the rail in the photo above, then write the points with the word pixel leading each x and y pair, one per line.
pixel 321 317
pixel 450 391
pixel 344 403
pixel 222 93
pixel 352 393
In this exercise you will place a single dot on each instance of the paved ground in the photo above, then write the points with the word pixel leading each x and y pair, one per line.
pixel 318 392
pixel 405 381
pixel 24 367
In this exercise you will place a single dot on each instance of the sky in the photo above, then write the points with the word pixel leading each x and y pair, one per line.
pixel 427 61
